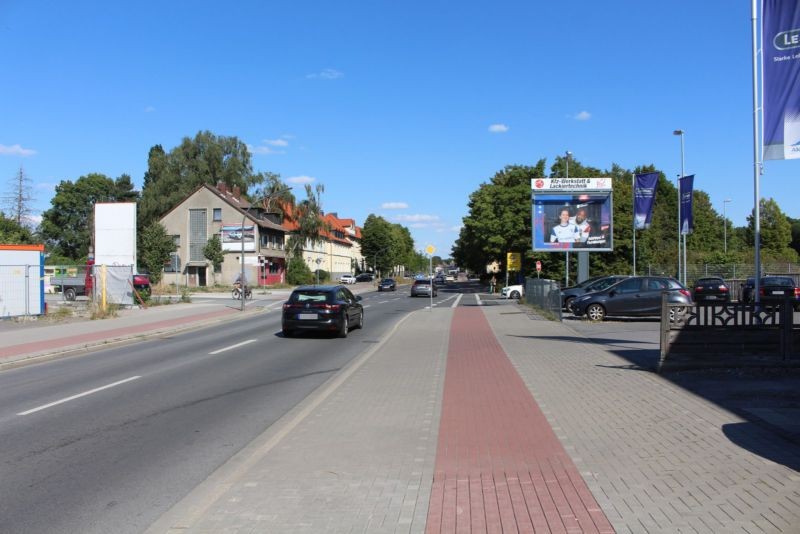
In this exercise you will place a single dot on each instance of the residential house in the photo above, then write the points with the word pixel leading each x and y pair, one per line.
pixel 250 237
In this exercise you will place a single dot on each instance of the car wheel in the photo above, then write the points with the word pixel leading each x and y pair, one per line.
pixel 360 323
pixel 69 293
pixel 568 303
pixel 515 294
pixel 595 312
pixel 345 327
pixel 675 312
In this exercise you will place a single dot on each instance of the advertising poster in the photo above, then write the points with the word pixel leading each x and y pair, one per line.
pixel 572 215
pixel 234 234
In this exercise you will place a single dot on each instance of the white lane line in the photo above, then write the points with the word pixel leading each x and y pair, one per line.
pixel 242 344
pixel 478 299
pixel 78 396
pixel 455 304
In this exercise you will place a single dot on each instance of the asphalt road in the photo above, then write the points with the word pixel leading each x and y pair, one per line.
pixel 108 441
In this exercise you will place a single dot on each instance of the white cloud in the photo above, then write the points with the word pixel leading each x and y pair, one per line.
pixel 394 206
pixel 301 180
pixel 456 228
pixel 583 116
pixel 276 142
pixel 417 218
pixel 16 150
pixel 149 109
pixel 498 128
pixel 326 74
pixel 264 149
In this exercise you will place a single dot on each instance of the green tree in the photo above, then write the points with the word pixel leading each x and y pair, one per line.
pixel 206 159
pixel 310 223
pixel 297 272
pixel 154 249
pixel 13 233
pixel 274 195
pixel 67 227
pixel 776 232
pixel 213 252
pixel 795 244
pixel 378 243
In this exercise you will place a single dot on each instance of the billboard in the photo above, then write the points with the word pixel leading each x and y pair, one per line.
pixel 115 233
pixel 233 235
pixel 572 214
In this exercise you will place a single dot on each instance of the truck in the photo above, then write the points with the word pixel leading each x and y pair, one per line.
pixel 74 286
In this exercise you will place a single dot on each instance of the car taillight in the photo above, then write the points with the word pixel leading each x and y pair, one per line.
pixel 698 288
pixel 761 291
pixel 797 292
pixel 723 288
pixel 332 307
pixel 685 293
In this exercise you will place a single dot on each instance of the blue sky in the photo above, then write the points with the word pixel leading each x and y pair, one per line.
pixel 401 109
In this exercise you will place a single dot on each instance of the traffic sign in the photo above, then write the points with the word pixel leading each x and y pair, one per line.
pixel 430 249
pixel 538 266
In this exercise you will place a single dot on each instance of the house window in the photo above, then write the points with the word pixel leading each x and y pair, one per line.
pixel 198 235
pixel 217 214
pixel 176 240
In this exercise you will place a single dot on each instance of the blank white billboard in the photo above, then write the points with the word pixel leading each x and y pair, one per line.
pixel 115 233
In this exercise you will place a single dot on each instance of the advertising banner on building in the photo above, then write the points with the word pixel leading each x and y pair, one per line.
pixel 234 234
pixel 572 214
pixel 644 196
pixel 780 33
pixel 687 217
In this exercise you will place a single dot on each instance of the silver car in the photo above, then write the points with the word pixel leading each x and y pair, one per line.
pixel 423 288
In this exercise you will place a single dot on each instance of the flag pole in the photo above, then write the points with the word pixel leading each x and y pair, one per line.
pixel 633 218
pixel 756 192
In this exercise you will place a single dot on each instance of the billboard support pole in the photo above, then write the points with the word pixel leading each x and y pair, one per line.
pixel 756 166
pixel 633 219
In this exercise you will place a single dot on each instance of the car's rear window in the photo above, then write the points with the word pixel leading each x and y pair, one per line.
pixel 711 281
pixel 310 296
pixel 777 281
pixel 421 283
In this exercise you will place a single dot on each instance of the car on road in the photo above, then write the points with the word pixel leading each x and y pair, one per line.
pixel 772 289
pixel 387 284
pixel 331 308
pixel 633 296
pixel 512 292
pixel 424 288
pixel 587 286
pixel 365 277
pixel 711 289
pixel 347 279
pixel 450 278
pixel 439 280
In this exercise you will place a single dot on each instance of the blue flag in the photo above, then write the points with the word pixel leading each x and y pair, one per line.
pixel 687 219
pixel 644 196
pixel 780 33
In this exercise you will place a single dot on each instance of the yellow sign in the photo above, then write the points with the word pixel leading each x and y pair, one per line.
pixel 513 261
pixel 430 249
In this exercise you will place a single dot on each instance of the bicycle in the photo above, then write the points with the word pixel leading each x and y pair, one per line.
pixel 237 292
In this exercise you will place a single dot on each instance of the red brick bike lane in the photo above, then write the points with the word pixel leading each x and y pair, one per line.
pixel 499 465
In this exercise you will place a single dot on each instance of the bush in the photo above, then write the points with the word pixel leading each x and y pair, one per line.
pixel 324 276
pixel 298 273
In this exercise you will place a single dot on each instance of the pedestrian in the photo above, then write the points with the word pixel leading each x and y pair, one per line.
pixel 492 284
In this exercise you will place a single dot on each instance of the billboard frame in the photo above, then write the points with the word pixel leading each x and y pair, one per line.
pixel 552 233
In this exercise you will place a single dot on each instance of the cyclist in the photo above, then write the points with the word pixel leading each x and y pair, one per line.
pixel 237 285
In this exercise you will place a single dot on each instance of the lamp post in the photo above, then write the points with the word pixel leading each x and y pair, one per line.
pixel 566 175
pixel 680 278
pixel 725 225
pixel 241 279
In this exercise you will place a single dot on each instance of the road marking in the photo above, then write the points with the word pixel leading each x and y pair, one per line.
pixel 243 343
pixel 79 395
pixel 455 304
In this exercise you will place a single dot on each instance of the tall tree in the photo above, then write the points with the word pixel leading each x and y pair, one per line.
pixel 310 223
pixel 205 159
pixel 377 243
pixel 273 195
pixel 67 227
pixel 18 199
pixel 776 232
pixel 154 249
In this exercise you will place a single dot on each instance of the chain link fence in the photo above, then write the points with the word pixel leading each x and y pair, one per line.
pixel 545 294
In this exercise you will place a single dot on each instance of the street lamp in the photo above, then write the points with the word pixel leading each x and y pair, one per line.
pixel 683 279
pixel 725 223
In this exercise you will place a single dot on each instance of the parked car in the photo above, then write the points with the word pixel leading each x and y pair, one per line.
pixel 711 289
pixel 772 289
pixel 450 278
pixel 347 279
pixel 587 286
pixel 424 288
pixel 331 308
pixel 633 296
pixel 439 280
pixel 365 277
pixel 512 292
pixel 387 284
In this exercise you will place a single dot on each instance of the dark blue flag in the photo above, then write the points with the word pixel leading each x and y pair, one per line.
pixel 687 219
pixel 780 33
pixel 644 196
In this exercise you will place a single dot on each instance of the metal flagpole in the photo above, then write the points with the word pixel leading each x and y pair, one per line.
pixel 633 219
pixel 756 168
